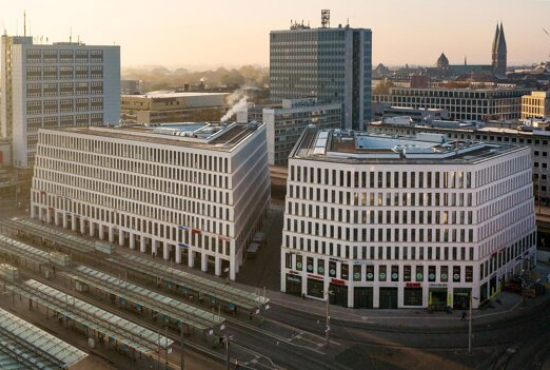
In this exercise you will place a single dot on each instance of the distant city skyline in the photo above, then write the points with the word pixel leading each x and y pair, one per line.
pixel 219 33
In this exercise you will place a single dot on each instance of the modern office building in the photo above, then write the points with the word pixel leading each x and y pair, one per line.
pixel 64 84
pixel 285 125
pixel 536 105
pixel 382 221
pixel 537 139
pixel 173 107
pixel 331 64
pixel 382 110
pixel 184 191
pixel 463 104
pixel 130 87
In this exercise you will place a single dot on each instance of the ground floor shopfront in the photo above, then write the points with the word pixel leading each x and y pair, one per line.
pixel 402 294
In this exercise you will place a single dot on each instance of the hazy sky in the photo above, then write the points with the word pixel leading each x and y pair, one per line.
pixel 222 32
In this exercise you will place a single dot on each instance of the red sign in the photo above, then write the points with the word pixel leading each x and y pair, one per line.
pixel 413 285
pixel 315 277
pixel 294 272
pixel 338 282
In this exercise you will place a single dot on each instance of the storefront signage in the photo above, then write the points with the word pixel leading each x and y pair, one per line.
pixel 413 285
pixel 315 276
pixel 294 279
pixel 294 272
pixel 438 285
pixel 337 282
pixel 356 263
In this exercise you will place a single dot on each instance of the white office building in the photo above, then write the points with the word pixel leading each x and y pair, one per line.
pixel 286 122
pixel 186 192
pixel 64 84
pixel 388 221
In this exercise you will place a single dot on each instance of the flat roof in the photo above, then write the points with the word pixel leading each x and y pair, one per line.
pixel 167 95
pixel 359 147
pixel 176 309
pixel 201 135
pixel 40 348
pixel 124 331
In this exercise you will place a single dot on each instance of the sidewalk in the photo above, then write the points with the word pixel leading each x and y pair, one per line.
pixel 511 306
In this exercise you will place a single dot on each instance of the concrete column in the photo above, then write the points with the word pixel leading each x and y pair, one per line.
pixel 178 253
pixel 154 247
pixel 204 262
pixel 65 220
pixel 166 251
pixel 121 238
pixel 132 241
pixel 111 234
pixel 32 210
pixel 101 231
pixel 82 224
pixel 218 266
pixel 55 218
pixel 191 258
pixel 232 273
pixel 73 222
pixel 92 228
pixel 142 245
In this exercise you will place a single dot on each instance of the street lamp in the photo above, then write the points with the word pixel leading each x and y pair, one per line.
pixel 328 293
pixel 470 334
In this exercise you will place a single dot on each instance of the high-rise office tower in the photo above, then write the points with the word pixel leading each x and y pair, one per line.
pixel 332 64
pixel 55 85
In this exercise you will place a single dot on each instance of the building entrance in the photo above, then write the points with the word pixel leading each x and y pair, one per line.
pixel 363 297
pixel 294 285
pixel 388 298
pixel 339 295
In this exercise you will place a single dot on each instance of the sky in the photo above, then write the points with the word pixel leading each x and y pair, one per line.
pixel 211 33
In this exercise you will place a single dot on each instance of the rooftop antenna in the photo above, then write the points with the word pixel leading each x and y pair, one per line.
pixel 347 22
pixel 325 18
pixel 25 23
pixel 71 34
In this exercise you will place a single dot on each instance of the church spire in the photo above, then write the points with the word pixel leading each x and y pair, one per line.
pixel 499 52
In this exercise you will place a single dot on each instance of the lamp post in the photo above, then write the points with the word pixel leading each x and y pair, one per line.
pixel 328 293
pixel 470 334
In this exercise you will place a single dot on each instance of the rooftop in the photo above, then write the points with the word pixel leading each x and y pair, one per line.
pixel 26 344
pixel 359 147
pixel 201 135
pixel 173 95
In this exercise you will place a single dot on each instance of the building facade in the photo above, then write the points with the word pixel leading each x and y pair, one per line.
pixel 173 107
pixel 331 64
pixel 382 110
pixel 536 105
pixel 379 221
pixel 463 104
pixel 59 85
pixel 184 192
pixel 286 124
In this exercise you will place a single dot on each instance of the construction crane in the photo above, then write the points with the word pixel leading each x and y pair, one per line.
pixel 546 32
